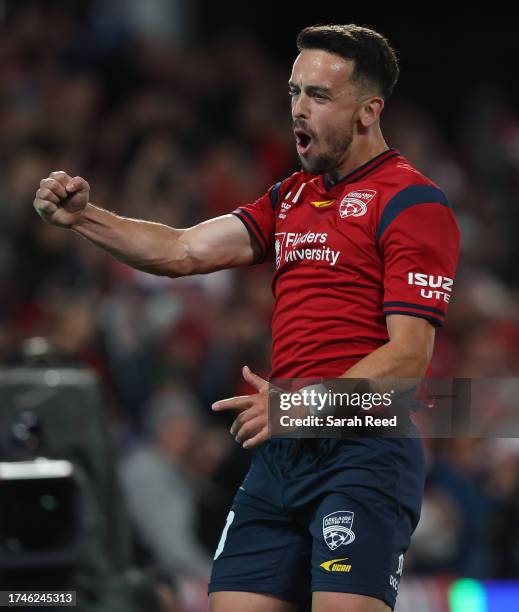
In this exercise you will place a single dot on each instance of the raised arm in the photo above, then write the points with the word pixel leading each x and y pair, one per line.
pixel 222 242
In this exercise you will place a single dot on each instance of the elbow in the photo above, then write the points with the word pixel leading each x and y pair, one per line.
pixel 415 358
pixel 170 268
pixel 179 268
pixel 190 258
pixel 183 264
pixel 420 360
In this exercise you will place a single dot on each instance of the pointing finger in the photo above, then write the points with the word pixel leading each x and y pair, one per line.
pixel 241 402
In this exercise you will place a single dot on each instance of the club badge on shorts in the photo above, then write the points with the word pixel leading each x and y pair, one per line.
pixel 337 529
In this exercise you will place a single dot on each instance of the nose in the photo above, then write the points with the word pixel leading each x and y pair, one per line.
pixel 300 107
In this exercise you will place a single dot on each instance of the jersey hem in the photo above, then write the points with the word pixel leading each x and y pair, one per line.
pixel 437 311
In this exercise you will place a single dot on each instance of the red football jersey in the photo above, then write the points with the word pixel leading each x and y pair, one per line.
pixel 382 240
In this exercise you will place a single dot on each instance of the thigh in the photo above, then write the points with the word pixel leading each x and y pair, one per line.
pixel 262 550
pixel 223 601
pixel 341 602
pixel 359 539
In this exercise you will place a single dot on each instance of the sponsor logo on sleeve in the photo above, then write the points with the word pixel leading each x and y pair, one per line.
pixel 432 286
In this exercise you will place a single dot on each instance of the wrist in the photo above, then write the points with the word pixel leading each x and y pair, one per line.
pixel 317 398
pixel 330 397
pixel 83 217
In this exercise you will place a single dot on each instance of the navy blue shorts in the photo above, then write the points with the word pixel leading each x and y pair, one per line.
pixel 323 515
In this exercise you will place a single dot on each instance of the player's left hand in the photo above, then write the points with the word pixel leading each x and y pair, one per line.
pixel 250 428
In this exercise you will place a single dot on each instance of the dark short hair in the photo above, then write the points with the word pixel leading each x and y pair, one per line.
pixel 374 60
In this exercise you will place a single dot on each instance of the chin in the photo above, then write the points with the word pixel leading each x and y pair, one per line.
pixel 308 165
pixel 304 165
pixel 315 166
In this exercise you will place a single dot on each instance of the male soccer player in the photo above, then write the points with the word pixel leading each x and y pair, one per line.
pixel 365 249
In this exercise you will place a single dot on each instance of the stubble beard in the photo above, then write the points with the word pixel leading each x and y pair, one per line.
pixel 329 161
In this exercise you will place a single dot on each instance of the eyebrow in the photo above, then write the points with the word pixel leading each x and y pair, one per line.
pixel 312 88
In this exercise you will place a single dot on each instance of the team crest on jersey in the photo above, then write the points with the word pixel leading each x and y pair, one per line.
pixel 337 529
pixel 355 204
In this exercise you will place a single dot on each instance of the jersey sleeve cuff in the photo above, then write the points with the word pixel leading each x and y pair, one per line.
pixel 434 315
pixel 254 232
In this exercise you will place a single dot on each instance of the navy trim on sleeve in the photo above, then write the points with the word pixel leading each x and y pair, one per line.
pixel 410 196
pixel 436 322
pixel 274 195
pixel 252 235
pixel 409 305
pixel 260 234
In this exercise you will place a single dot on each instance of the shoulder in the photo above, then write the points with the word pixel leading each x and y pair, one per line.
pixel 404 187
pixel 287 186
pixel 401 175
pixel 401 179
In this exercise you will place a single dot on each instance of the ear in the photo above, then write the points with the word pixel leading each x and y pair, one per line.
pixel 370 110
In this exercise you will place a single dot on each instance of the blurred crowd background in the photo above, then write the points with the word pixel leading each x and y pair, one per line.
pixel 171 124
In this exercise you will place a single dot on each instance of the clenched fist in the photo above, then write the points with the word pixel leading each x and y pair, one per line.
pixel 61 199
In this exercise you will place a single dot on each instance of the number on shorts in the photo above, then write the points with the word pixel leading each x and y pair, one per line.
pixel 400 565
pixel 223 537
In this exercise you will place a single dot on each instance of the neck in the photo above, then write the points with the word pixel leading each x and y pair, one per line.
pixel 362 149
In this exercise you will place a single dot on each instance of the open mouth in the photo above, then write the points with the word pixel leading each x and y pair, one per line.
pixel 303 141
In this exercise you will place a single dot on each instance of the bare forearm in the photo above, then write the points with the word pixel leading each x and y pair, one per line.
pixel 147 246
pixel 406 356
pixel 392 360
pixel 393 367
pixel 215 244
